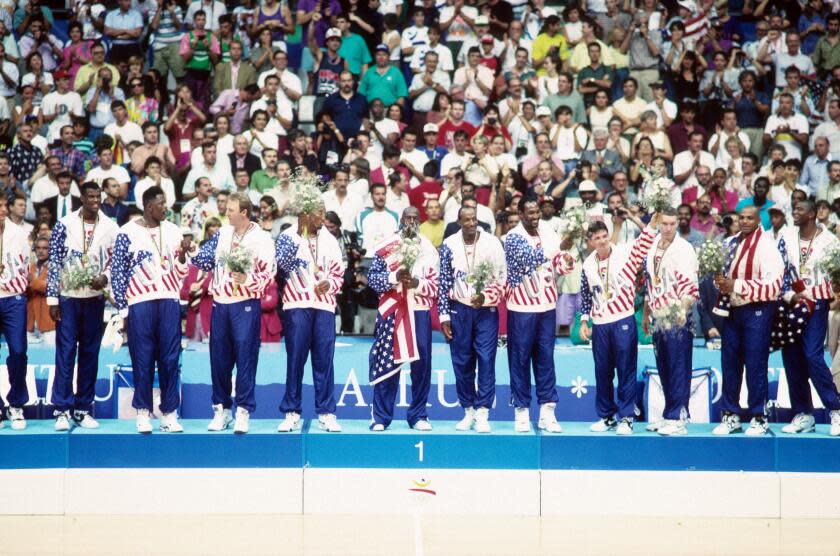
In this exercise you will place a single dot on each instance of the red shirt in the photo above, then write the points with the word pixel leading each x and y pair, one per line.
pixel 691 194
pixel 422 194
pixel 446 133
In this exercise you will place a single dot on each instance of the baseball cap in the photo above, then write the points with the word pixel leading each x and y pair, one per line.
pixel 775 208
pixel 61 74
pixel 482 20
pixel 544 111
pixel 587 185
pixel 430 128
pixel 382 47
pixel 546 199
pixel 487 39
pixel 688 5
pixel 333 33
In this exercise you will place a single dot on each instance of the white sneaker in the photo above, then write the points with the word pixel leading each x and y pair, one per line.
pixel 290 423
pixel 758 427
pixel 144 422
pixel 548 422
pixel 423 425
pixel 378 427
pixel 522 420
pixel 221 418
pixel 729 423
pixel 169 422
pixel 482 420
pixel 625 427
pixel 62 421
pixel 803 422
pixel 675 427
pixel 242 419
pixel 654 426
pixel 15 415
pixel 835 422
pixel 468 421
pixel 328 422
pixel 84 420
pixel 603 425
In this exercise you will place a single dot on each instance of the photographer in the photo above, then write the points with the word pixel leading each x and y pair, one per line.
pixel 37 39
pixel 200 51
pixel 624 226
pixel 27 12
pixel 354 290
pixel 328 141
pixel 98 102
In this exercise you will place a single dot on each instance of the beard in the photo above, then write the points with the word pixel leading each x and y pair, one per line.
pixel 409 231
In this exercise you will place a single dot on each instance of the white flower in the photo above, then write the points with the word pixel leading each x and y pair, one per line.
pixel 579 387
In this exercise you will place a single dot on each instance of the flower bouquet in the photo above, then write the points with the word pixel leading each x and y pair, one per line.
pixel 830 264
pixel 77 273
pixel 408 252
pixel 482 275
pixel 240 259
pixel 670 317
pixel 656 191
pixel 305 192
pixel 574 224
pixel 712 261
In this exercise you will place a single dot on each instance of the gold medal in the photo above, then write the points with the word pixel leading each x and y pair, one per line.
pixel 656 280
pixel 801 269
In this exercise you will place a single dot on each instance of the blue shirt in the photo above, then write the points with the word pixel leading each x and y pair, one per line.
pixel 747 113
pixel 128 21
pixel 435 154
pixel 762 212
pixel 814 173
pixel 809 41
pixel 347 113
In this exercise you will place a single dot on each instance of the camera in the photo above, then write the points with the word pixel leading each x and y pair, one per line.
pixel 491 121
pixel 354 248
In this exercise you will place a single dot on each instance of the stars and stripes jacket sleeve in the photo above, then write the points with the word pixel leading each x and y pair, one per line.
pixel 520 259
pixel 427 283
pixel 771 276
pixel 121 273
pixel 334 271
pixel 379 278
pixel 58 253
pixel 563 263
pixel 585 298
pixel 265 267
pixel 205 259
pixel 641 246
pixel 786 291
pixel 445 281
pixel 285 254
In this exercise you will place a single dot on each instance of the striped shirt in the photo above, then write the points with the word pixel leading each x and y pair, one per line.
pixel 608 287
pixel 14 266
pixel 756 267
pixel 533 262
pixel 210 258
pixel 803 263
pixel 75 243
pixel 386 263
pixel 671 273
pixel 458 260
pixel 145 264
pixel 305 263
pixel 167 32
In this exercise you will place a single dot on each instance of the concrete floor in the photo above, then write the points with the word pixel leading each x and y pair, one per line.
pixel 426 536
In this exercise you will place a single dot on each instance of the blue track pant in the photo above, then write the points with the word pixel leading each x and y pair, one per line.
pixel 305 331
pixel 475 334
pixel 673 362
pixel 154 336
pixel 385 392
pixel 531 343
pixel 80 329
pixel 615 347
pixel 13 328
pixel 806 359
pixel 746 343
pixel 235 340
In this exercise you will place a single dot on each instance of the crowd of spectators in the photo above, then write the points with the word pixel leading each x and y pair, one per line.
pixel 435 104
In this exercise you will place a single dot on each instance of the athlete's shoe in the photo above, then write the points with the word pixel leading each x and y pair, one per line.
pixel 62 421
pixel 290 423
pixel 422 425
pixel 729 423
pixel 654 426
pixel 15 415
pixel 835 422
pixel 377 427
pixel 482 420
pixel 144 421
pixel 243 418
pixel 522 420
pixel 803 422
pixel 625 427
pixel 604 425
pixel 327 422
pixel 673 427
pixel 758 427
pixel 169 422
pixel 468 421
pixel 548 421
pixel 221 418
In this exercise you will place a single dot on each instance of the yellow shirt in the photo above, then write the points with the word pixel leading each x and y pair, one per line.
pixel 543 43
pixel 580 56
pixel 88 69
pixel 433 231
pixel 619 60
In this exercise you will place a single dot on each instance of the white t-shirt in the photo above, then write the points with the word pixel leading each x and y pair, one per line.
pixel 44 188
pixel 165 183
pixel 70 103
pixel 670 111
pixel 418 58
pixel 459 30
pixel 99 175
pixel 797 122
pixel 128 132
pixel 284 110
pixel 684 160
pixel 418 159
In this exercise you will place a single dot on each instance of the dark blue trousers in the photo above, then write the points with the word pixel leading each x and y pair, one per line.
pixel 475 334
pixel 80 329
pixel 806 359
pixel 746 343
pixel 385 392
pixel 305 331
pixel 531 343
pixel 235 329
pixel 154 337
pixel 615 347
pixel 673 362
pixel 13 328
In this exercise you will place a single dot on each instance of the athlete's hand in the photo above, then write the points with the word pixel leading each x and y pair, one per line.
pixel 585 333
pixel 477 301
pixel 446 328
pixel 238 277
pixel 99 282
pixel 646 323
pixel 322 287
pixel 55 313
